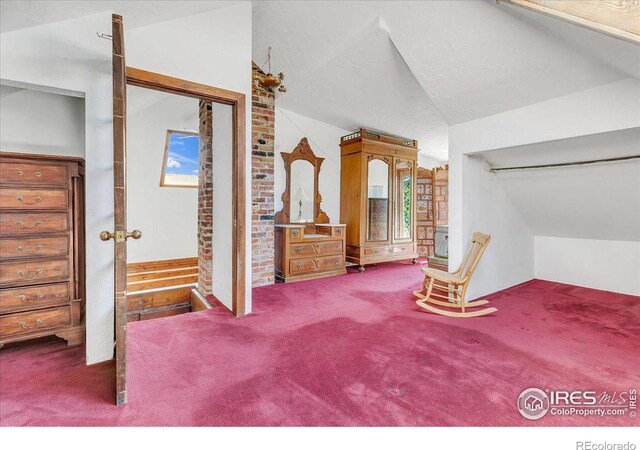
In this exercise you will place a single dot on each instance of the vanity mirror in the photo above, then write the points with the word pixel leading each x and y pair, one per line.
pixel 301 199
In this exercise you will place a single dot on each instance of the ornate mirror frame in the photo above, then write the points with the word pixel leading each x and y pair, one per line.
pixel 302 151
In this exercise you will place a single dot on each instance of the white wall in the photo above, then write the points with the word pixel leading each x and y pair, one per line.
pixel 167 216
pixel 68 55
pixel 324 139
pixel 599 264
pixel 40 122
pixel 222 201
pixel 508 259
pixel 428 162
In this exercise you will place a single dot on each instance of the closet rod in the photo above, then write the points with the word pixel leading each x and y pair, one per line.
pixel 575 163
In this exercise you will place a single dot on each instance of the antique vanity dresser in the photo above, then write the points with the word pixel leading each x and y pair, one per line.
pixel 306 245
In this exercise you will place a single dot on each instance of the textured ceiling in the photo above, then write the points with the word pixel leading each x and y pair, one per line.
pixel 323 94
pixel 470 58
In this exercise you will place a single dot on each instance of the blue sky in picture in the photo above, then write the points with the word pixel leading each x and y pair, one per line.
pixel 183 154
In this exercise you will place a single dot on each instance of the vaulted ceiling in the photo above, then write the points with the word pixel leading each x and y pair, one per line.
pixel 408 68
pixel 411 68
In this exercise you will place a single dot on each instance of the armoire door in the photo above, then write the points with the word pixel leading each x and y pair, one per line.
pixel 404 195
pixel 378 198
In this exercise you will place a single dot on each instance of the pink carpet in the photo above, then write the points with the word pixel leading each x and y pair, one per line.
pixel 348 350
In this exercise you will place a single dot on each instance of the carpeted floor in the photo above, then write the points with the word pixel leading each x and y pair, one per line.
pixel 348 350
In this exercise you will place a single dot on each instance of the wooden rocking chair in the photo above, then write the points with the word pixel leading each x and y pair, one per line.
pixel 454 285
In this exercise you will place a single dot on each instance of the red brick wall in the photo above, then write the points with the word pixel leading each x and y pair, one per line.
pixel 205 199
pixel 262 200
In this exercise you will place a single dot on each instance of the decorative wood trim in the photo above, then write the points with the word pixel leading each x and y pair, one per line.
pixel 166 83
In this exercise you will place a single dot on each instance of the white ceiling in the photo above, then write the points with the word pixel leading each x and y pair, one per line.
pixel 325 94
pixel 470 58
pixel 18 14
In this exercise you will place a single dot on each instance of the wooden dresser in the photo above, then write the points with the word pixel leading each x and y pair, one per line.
pixel 304 252
pixel 41 248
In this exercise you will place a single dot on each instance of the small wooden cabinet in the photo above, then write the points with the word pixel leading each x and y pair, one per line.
pixel 304 252
pixel 41 248
pixel 378 197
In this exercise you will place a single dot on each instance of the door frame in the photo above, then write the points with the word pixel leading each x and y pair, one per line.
pixel 237 101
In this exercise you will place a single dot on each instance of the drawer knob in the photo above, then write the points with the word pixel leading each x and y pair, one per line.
pixel 299 265
pixel 20 173
pixel 24 227
pixel 298 249
pixel 27 327
pixel 23 298
pixel 38 174
pixel 24 274
pixel 30 252
pixel 20 198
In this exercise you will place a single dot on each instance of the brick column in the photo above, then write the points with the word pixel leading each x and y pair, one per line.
pixel 262 204
pixel 205 199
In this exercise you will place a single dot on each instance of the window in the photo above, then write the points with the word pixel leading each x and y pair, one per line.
pixel 180 164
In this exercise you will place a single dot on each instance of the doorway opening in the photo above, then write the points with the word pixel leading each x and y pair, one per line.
pixel 163 145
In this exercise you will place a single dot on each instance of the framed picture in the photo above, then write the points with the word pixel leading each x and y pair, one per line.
pixel 180 163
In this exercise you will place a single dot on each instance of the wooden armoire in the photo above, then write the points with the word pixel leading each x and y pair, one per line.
pixel 378 197
pixel 42 275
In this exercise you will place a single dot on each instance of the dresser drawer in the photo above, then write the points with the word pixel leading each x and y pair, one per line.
pixel 375 251
pixel 302 249
pixel 34 297
pixel 36 246
pixel 403 248
pixel 306 265
pixel 32 272
pixel 22 173
pixel 27 198
pixel 34 322
pixel 30 223
pixel 295 233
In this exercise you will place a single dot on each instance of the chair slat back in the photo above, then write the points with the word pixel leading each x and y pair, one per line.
pixel 479 243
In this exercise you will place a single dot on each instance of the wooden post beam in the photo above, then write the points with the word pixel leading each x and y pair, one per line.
pixel 616 18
